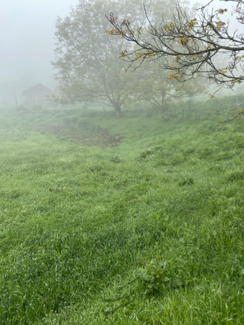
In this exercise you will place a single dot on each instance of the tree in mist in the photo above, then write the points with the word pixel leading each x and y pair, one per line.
pixel 86 57
pixel 155 88
pixel 192 88
pixel 188 45
pixel 86 61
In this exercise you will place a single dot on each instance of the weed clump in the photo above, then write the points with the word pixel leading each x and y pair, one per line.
pixel 186 181
pixel 235 176
pixel 205 153
pixel 223 156
pixel 177 160
pixel 156 278
pixel 116 159
pixel 146 153
pixel 189 150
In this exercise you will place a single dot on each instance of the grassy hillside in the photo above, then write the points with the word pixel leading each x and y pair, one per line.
pixel 131 221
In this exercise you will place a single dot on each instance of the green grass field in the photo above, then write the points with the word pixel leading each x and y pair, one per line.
pixel 131 221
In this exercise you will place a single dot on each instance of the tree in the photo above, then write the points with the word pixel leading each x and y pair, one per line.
pixel 192 88
pixel 86 58
pixel 188 45
pixel 155 88
pixel 86 61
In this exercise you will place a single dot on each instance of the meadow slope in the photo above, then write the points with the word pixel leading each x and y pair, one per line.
pixel 131 221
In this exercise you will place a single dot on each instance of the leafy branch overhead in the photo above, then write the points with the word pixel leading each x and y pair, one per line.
pixel 189 46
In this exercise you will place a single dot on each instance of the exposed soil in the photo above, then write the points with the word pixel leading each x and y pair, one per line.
pixel 86 134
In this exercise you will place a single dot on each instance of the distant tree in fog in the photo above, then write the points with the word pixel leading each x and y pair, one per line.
pixel 86 61
pixel 192 88
pixel 155 88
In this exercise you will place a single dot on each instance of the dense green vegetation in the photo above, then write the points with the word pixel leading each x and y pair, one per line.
pixel 142 211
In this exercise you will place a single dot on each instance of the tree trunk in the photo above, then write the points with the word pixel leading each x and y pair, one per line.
pixel 118 114
pixel 164 115
pixel 164 107
pixel 189 108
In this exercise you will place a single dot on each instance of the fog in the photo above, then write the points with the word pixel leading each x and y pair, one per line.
pixel 27 44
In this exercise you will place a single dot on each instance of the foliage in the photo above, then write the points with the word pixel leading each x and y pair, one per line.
pixel 189 45
pixel 155 88
pixel 88 68
pixel 86 64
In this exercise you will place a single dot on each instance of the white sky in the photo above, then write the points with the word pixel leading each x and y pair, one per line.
pixel 27 35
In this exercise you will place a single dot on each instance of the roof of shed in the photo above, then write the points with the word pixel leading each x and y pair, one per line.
pixel 38 87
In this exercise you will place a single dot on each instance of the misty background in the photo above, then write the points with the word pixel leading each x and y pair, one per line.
pixel 27 44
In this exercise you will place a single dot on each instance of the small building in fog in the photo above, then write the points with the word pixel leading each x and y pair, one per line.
pixel 36 95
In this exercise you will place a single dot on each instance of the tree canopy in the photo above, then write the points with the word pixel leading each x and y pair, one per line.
pixel 86 61
pixel 87 66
